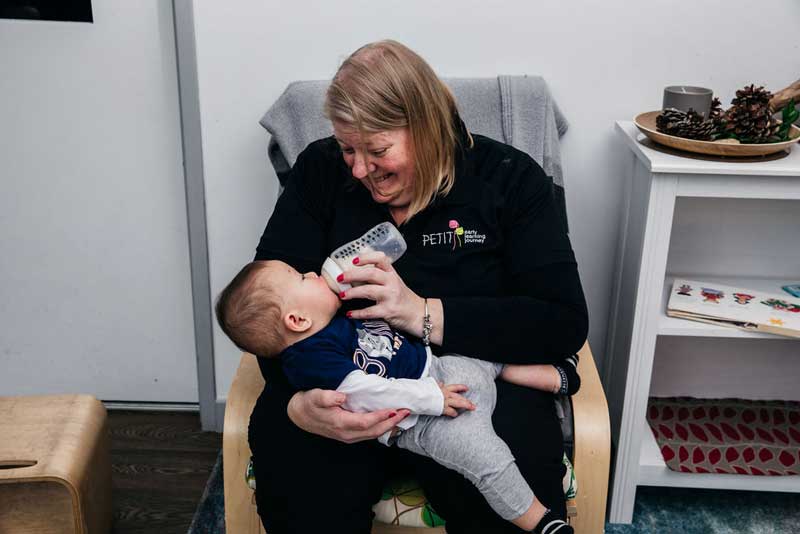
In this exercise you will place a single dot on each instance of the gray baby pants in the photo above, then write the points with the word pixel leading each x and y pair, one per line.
pixel 468 444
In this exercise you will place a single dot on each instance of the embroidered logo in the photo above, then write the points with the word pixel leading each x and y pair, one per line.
pixel 458 230
pixel 457 236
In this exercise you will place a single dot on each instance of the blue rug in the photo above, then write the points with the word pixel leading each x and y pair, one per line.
pixel 209 518
pixel 696 511
pixel 657 511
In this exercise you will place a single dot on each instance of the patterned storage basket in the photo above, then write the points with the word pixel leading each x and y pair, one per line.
pixel 736 436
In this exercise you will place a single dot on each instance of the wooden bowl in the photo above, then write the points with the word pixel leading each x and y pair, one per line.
pixel 646 122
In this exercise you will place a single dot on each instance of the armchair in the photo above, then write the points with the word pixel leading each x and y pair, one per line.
pixel 517 110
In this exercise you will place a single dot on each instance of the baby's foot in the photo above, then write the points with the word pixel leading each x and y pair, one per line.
pixel 570 380
pixel 550 524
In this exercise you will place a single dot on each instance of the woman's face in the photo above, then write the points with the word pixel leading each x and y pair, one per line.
pixel 383 162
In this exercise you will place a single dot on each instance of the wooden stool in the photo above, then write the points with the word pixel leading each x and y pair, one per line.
pixel 55 467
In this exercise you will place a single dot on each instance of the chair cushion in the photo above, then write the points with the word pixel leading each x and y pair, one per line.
pixel 404 503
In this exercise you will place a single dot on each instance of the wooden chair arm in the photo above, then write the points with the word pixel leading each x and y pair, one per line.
pixel 592 457
pixel 240 508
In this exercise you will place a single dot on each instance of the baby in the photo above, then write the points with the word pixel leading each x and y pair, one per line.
pixel 271 310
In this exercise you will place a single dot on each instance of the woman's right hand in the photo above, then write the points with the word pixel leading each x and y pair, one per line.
pixel 320 412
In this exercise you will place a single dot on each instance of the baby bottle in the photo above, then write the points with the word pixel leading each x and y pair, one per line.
pixel 382 238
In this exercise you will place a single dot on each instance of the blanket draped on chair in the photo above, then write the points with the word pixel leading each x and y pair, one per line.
pixel 517 110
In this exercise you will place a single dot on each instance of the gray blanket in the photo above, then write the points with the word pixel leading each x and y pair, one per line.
pixel 517 110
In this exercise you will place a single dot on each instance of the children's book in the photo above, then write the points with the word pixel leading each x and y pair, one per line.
pixel 736 307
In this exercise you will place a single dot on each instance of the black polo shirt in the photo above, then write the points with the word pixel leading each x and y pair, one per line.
pixel 494 249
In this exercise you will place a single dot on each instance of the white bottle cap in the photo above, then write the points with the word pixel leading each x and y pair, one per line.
pixel 330 271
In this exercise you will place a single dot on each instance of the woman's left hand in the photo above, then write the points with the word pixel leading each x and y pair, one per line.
pixel 394 301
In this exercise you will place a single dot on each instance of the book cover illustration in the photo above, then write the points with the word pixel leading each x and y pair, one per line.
pixel 736 307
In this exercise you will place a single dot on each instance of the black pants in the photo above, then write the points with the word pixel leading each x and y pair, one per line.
pixel 308 484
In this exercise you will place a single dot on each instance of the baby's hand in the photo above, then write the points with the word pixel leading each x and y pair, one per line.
pixel 453 401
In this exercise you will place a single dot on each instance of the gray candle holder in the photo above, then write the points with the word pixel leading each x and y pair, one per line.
pixel 686 97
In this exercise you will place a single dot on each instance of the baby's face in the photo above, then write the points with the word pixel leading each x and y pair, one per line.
pixel 309 292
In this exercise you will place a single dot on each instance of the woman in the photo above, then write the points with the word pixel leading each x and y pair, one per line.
pixel 487 254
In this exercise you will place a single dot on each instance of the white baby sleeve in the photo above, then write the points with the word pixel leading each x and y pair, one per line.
pixel 367 393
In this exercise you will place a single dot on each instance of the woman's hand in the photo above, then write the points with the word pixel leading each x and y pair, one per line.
pixel 394 301
pixel 320 412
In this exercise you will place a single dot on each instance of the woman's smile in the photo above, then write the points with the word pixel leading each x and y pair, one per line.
pixel 384 183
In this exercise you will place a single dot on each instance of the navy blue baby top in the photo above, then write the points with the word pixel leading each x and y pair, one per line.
pixel 346 345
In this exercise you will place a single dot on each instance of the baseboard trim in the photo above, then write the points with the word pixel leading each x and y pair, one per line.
pixel 153 406
pixel 219 409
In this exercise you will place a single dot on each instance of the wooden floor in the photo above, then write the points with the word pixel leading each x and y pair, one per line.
pixel 161 462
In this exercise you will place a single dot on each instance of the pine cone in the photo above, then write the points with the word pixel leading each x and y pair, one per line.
pixel 688 125
pixel 749 119
pixel 716 109
pixel 752 95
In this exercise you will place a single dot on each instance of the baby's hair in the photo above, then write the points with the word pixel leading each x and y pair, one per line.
pixel 249 312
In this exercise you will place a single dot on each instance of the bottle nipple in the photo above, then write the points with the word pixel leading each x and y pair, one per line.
pixel 330 271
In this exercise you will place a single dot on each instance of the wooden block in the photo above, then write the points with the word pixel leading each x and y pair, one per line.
pixel 55 465
pixel 40 507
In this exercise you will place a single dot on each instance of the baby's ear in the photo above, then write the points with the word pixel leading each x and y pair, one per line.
pixel 296 322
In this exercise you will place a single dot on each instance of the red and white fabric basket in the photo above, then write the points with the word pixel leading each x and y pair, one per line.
pixel 734 436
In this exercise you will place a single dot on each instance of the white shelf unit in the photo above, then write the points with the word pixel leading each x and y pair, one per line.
pixel 659 179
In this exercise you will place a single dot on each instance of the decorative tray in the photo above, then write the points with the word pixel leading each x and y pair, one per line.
pixel 646 122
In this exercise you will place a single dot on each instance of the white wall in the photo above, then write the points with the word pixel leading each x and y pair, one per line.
pixel 735 238
pixel 604 61
pixel 95 291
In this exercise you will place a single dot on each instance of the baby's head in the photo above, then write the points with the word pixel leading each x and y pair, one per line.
pixel 269 306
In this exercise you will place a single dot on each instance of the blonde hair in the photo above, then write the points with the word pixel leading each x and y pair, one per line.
pixel 249 312
pixel 387 86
